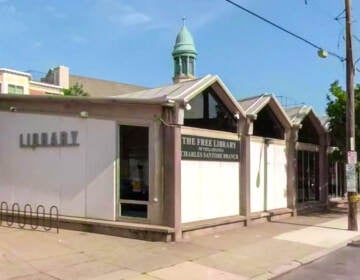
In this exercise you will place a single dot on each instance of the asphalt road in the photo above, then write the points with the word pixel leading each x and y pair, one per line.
pixel 341 264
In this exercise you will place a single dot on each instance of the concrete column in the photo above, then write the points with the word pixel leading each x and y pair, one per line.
pixel 292 138
pixel 245 169
pixel 172 175
pixel 323 169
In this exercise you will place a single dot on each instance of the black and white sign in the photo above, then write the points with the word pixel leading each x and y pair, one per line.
pixel 212 149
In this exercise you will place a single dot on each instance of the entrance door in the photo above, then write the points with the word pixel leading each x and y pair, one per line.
pixel 134 171
pixel 308 176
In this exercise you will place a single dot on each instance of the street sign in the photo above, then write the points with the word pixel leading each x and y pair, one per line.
pixel 350 172
pixel 351 157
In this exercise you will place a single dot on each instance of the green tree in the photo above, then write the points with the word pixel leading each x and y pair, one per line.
pixel 75 90
pixel 336 110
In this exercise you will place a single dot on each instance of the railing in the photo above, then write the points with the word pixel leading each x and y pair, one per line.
pixel 35 219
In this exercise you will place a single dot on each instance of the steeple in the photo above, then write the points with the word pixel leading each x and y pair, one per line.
pixel 184 55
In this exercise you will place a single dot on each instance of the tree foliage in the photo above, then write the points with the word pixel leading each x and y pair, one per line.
pixel 75 90
pixel 336 111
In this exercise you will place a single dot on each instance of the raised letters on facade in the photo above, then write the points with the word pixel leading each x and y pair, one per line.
pixel 204 148
pixel 49 139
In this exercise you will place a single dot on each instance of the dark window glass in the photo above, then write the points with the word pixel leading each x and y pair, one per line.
pixel 308 133
pixel 191 66
pixel 197 108
pixel 134 163
pixel 308 176
pixel 184 65
pixel 207 111
pixel 177 66
pixel 268 125
pixel 134 210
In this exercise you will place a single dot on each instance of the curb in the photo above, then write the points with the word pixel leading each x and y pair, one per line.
pixel 280 270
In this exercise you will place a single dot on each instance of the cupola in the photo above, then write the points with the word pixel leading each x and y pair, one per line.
pixel 184 55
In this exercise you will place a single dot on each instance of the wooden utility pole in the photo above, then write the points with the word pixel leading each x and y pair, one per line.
pixel 350 123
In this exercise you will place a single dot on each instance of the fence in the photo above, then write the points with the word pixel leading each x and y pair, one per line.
pixel 27 216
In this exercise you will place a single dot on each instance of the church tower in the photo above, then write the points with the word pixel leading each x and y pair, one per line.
pixel 184 55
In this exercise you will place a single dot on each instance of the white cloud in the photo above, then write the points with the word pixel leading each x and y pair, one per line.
pixel 118 13
pixel 130 18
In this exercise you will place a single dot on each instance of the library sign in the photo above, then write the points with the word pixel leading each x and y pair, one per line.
pixel 45 139
pixel 212 149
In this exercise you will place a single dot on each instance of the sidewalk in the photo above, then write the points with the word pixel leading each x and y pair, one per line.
pixel 260 251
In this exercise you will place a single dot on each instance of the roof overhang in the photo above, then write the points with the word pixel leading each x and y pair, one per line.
pixel 268 100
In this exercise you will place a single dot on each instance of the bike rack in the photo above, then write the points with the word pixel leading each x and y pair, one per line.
pixel 29 217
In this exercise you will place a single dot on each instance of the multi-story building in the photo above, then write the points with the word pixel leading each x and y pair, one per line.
pixel 18 82
pixel 57 79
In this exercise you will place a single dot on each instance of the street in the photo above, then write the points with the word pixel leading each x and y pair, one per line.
pixel 341 264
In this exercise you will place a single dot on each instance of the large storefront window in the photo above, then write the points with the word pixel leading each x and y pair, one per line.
pixel 308 176
pixel 134 171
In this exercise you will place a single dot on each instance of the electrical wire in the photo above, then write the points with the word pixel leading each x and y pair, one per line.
pixel 284 30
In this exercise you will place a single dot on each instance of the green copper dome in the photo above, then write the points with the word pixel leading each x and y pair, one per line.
pixel 184 43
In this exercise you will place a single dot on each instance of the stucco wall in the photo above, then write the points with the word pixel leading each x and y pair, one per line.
pixel 277 177
pixel 80 180
pixel 269 186
pixel 257 150
pixel 209 189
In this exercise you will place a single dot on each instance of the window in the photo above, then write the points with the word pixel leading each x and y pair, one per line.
pixel 191 66
pixel 184 64
pixel 208 111
pixel 177 66
pixel 13 89
pixel 268 125
pixel 134 171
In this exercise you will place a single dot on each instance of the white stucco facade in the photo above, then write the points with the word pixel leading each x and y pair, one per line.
pixel 209 190
pixel 79 180
pixel 268 175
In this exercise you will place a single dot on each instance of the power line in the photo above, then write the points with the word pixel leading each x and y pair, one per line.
pixel 284 30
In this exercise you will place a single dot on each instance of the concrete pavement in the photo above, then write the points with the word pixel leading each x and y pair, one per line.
pixel 259 251
pixel 342 264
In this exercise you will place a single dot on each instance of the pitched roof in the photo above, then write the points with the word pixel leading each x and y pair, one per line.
pixel 181 92
pixel 298 114
pixel 253 105
pixel 102 88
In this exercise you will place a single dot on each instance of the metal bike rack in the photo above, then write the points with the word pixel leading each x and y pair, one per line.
pixel 27 216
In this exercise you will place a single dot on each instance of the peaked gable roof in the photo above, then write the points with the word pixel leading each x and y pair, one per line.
pixel 253 105
pixel 298 114
pixel 183 92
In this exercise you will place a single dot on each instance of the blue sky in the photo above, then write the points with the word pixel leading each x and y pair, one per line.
pixel 131 41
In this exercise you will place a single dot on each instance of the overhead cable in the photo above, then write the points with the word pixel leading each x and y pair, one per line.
pixel 284 30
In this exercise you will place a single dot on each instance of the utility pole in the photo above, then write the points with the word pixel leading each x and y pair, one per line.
pixel 350 125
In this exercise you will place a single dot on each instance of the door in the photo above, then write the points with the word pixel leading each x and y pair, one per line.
pixel 134 171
